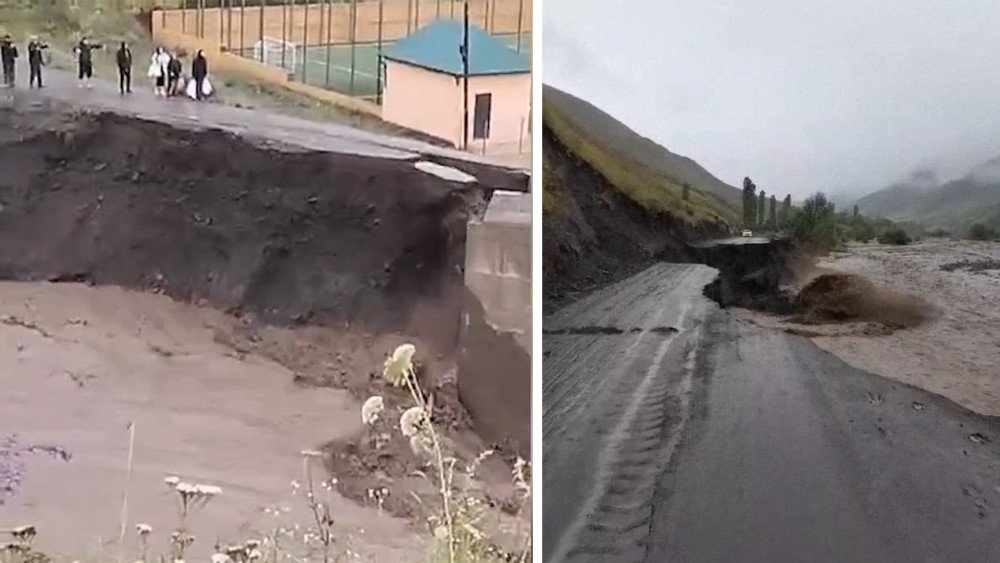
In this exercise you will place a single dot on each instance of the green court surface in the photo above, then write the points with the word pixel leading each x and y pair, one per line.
pixel 352 69
pixel 334 66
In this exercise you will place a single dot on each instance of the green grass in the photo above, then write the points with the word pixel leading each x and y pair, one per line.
pixel 61 24
pixel 634 179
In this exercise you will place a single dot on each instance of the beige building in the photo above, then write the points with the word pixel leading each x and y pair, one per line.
pixel 423 89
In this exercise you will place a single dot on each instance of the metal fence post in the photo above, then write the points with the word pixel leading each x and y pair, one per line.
pixel 260 31
pixel 520 17
pixel 284 32
pixel 354 37
pixel 329 26
pixel 184 14
pixel 305 41
pixel 409 16
pixel 243 26
pixel 378 58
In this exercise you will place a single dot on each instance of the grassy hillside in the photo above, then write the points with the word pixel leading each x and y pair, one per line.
pixel 61 23
pixel 644 171
pixel 955 205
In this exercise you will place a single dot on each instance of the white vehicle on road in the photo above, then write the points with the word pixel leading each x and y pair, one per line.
pixel 747 233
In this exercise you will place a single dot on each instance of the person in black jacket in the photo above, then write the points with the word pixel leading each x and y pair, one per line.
pixel 199 70
pixel 85 61
pixel 36 60
pixel 124 58
pixel 174 70
pixel 8 58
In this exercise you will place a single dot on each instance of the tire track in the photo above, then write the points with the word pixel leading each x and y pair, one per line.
pixel 613 406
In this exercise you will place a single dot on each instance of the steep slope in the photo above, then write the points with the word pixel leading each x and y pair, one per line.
pixel 654 160
pixel 606 215
pixel 974 198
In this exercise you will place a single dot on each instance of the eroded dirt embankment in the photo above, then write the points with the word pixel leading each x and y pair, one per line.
pixel 599 236
pixel 340 258
pixel 751 275
pixel 304 238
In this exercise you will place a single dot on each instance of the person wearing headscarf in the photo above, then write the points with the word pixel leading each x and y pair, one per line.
pixel 199 71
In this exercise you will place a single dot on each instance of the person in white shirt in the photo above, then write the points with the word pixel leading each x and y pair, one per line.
pixel 158 71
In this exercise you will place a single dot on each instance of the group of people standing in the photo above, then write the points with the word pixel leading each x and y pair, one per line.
pixel 9 55
pixel 166 69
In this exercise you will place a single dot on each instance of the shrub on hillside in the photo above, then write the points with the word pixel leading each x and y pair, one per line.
pixel 895 236
pixel 980 231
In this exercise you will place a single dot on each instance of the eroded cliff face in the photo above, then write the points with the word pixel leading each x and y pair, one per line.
pixel 593 235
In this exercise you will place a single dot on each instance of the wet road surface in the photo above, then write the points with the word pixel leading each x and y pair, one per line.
pixel 672 432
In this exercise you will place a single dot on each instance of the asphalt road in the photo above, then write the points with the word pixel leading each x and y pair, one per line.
pixel 672 432
pixel 254 124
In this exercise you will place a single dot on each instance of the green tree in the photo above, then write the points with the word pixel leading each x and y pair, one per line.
pixel 749 203
pixel 762 209
pixel 772 221
pixel 816 224
pixel 786 210
pixel 855 211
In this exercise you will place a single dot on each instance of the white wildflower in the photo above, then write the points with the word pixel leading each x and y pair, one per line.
pixel 221 558
pixel 185 488
pixel 172 481
pixel 208 490
pixel 371 410
pixel 311 453
pixel 143 529
pixel 399 366
pixel 412 421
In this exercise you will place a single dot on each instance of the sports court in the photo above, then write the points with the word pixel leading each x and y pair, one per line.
pixel 349 68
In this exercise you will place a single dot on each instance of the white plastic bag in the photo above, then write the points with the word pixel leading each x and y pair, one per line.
pixel 192 86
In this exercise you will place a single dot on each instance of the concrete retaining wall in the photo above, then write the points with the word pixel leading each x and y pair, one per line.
pixel 494 377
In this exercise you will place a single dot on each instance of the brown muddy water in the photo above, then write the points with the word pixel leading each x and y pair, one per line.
pixel 78 364
pixel 953 351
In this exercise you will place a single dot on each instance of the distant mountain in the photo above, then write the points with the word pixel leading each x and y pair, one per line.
pixel 974 198
pixel 613 136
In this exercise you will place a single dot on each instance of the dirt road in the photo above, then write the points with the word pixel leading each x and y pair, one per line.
pixel 266 127
pixel 724 441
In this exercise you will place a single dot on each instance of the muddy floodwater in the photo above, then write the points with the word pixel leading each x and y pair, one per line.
pixel 957 353
pixel 78 364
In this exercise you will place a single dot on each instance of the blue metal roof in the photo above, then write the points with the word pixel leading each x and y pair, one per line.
pixel 435 47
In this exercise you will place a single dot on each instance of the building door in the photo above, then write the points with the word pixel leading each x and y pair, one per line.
pixel 481 118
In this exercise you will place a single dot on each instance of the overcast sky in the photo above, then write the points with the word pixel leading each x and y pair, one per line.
pixel 798 95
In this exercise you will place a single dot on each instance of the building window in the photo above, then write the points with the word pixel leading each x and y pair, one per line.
pixel 481 118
